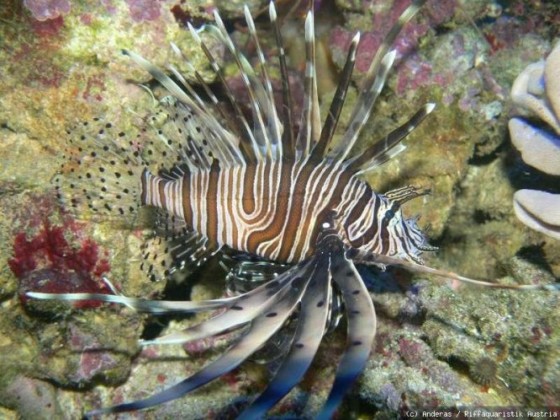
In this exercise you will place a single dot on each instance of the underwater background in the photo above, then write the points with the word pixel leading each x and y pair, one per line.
pixel 437 344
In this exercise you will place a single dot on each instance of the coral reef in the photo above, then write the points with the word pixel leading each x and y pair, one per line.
pixel 536 92
pixel 431 337
pixel 47 9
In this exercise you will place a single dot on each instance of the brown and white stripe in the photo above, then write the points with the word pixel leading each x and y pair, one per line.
pixel 273 209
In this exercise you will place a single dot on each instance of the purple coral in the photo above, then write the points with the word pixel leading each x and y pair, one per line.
pixel 47 9
pixel 93 359
pixel 144 10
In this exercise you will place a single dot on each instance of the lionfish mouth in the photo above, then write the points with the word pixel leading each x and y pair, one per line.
pixel 295 199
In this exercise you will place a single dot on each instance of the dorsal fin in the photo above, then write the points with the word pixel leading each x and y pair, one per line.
pixel 373 84
pixel 288 137
pixel 309 130
pixel 389 146
pixel 228 142
pixel 331 121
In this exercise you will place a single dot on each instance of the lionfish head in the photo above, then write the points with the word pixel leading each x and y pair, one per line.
pixel 382 228
pixel 410 241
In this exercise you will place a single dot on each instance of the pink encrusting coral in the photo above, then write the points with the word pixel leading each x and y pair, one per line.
pixel 58 259
pixel 92 360
pixel 418 72
pixel 144 10
pixel 47 9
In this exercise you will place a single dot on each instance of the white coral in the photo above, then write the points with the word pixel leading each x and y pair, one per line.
pixel 536 92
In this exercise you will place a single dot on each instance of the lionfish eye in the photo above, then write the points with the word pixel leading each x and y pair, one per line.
pixel 389 214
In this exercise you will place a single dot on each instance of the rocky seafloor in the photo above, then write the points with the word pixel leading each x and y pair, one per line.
pixel 438 344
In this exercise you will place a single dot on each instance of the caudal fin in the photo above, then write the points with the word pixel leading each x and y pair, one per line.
pixel 101 170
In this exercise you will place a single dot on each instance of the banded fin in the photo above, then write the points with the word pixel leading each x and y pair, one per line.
pixel 274 126
pixel 331 121
pixel 288 137
pixel 310 117
pixel 311 323
pixel 267 128
pixel 363 108
pixel 246 308
pixel 361 319
pixel 218 104
pixel 260 330
pixel 245 273
pixel 389 146
pixel 140 305
pixel 406 193
pixel 253 146
pixel 372 85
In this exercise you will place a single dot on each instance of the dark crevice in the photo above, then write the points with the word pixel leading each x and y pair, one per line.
pixel 175 290
pixel 534 254
pixel 523 176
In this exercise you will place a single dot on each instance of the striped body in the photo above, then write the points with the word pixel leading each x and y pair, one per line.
pixel 275 209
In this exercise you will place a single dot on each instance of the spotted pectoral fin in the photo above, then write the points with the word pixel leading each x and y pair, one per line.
pixel 261 329
pixel 311 322
pixel 360 334
pixel 246 308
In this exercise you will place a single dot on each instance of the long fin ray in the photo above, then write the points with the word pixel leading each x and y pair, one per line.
pixel 329 127
pixel 262 328
pixel 364 106
pixel 288 138
pixel 257 94
pixel 311 324
pixel 310 118
pixel 141 305
pixel 229 141
pixel 200 80
pixel 274 125
pixel 247 307
pixel 373 83
pixel 384 260
pixel 361 331
pixel 389 146
pixel 252 148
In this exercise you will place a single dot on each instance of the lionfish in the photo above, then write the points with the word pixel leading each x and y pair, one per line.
pixel 265 190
